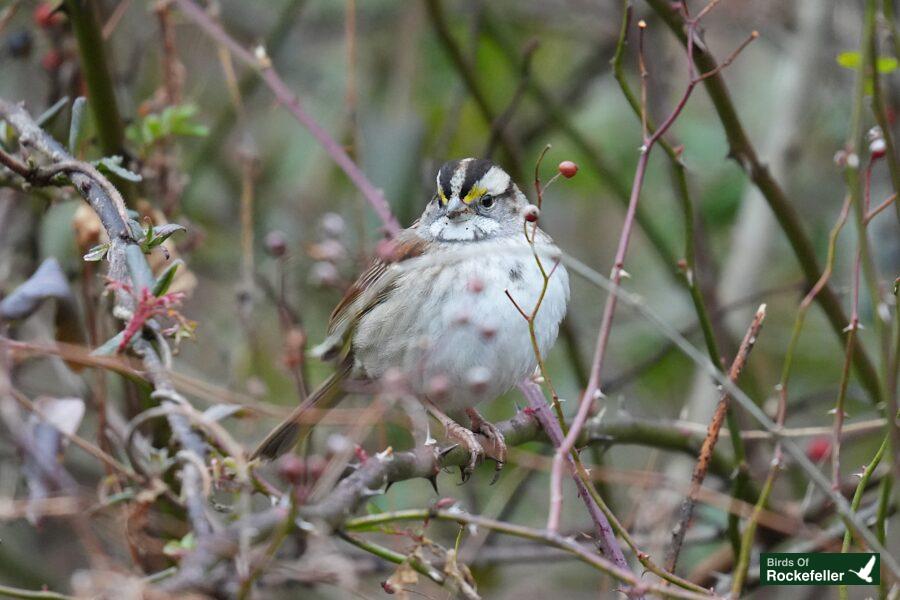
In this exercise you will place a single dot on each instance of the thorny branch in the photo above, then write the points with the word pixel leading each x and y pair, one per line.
pixel 709 444
pixel 592 393
pixel 743 151
pixel 110 207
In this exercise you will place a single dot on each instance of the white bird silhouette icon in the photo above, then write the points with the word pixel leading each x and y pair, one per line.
pixel 866 572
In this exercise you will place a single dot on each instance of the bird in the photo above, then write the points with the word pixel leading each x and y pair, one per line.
pixel 443 306
pixel 866 572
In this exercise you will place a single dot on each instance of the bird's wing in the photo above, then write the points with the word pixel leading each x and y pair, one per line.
pixel 367 292
pixel 868 568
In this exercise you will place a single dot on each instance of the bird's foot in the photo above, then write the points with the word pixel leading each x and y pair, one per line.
pixel 469 442
pixel 498 449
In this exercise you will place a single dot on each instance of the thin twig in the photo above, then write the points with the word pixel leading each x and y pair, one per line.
pixel 744 153
pixel 743 559
pixel 500 124
pixel 790 447
pixel 687 267
pixel 550 538
pixel 468 74
pixel 550 425
pixel 262 64
pixel 712 436
pixel 883 205
pixel 560 114
pixel 593 393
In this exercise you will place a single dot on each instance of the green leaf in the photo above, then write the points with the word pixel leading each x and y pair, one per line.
pixel 177 548
pixel 165 231
pixel 853 60
pixel 52 111
pixel 849 60
pixel 76 124
pixel 110 346
pixel 886 64
pixel 138 269
pixel 159 234
pixel 113 164
pixel 97 253
pixel 151 129
pixel 172 121
pixel 165 279
pixel 190 129
pixel 135 228
pixel 133 134
pixel 217 412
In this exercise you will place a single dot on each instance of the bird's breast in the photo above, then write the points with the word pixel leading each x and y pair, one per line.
pixel 450 325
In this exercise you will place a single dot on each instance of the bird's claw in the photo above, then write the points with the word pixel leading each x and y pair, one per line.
pixel 493 434
pixel 466 438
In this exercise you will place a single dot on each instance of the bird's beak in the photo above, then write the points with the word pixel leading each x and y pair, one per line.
pixel 456 207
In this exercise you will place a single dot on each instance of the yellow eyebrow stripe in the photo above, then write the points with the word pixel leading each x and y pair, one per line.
pixel 442 196
pixel 474 194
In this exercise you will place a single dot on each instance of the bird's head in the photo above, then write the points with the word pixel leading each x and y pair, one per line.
pixel 474 200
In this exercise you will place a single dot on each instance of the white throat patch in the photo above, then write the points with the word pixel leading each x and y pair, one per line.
pixel 473 228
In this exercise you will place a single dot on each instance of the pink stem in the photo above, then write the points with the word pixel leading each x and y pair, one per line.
pixel 609 545
pixel 592 392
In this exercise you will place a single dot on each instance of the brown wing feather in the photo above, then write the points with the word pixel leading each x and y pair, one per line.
pixel 356 303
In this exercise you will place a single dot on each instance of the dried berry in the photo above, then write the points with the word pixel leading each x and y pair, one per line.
pixel 276 244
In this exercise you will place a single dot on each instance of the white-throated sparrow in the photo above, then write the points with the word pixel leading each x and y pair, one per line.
pixel 436 307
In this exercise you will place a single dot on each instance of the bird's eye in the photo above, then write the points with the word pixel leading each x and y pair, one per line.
pixel 487 201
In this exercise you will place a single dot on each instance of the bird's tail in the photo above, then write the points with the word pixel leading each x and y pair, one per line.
pixel 297 426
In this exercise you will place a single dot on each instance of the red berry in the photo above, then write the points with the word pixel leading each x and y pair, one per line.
pixel 567 169
pixel 532 213
pixel 52 60
pixel 818 448
pixel 46 15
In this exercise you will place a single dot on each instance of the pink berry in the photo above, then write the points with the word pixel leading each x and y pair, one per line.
pixel 292 468
pixel 276 244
